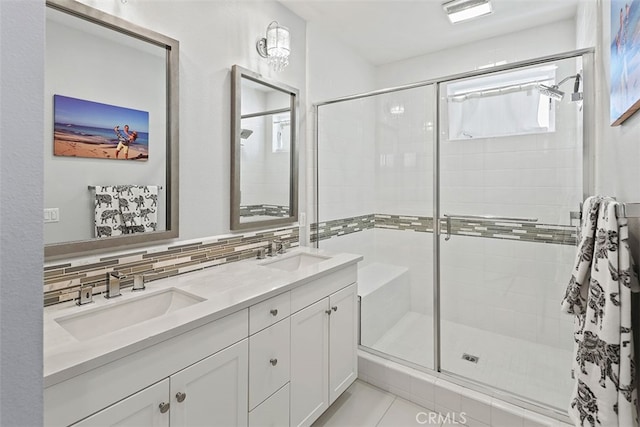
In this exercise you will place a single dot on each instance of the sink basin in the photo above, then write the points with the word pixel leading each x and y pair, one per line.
pixel 122 314
pixel 295 262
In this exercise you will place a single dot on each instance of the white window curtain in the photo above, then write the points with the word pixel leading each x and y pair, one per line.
pixel 501 105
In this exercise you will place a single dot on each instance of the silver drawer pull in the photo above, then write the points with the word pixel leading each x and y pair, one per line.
pixel 334 308
pixel 180 397
pixel 274 311
pixel 164 407
pixel 273 362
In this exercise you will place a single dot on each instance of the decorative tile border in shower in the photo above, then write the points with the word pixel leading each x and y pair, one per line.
pixel 525 231
pixel 340 227
pixel 404 222
pixel 266 210
pixel 494 229
pixel 62 281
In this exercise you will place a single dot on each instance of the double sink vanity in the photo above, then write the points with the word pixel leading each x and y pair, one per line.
pixel 255 342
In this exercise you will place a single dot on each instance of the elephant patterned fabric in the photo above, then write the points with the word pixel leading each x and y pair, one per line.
pixel 125 209
pixel 599 296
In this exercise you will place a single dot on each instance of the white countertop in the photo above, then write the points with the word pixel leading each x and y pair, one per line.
pixel 227 289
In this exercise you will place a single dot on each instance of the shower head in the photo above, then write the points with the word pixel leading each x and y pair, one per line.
pixel 551 91
pixel 554 92
pixel 245 133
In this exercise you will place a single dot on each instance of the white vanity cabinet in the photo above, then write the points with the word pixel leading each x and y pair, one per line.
pixel 141 409
pixel 323 344
pixel 195 362
pixel 191 397
pixel 212 392
pixel 281 361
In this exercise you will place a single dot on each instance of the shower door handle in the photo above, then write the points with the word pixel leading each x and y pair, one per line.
pixel 448 236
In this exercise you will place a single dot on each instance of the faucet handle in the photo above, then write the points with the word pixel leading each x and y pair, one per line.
pixel 138 283
pixel 85 295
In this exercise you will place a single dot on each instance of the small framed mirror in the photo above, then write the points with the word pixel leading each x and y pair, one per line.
pixel 264 159
pixel 111 132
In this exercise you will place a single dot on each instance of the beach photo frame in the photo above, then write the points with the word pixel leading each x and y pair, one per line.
pixel 89 129
pixel 625 60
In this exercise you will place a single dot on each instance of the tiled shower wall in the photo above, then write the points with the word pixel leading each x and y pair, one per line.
pixel 510 283
pixel 62 280
pixel 515 269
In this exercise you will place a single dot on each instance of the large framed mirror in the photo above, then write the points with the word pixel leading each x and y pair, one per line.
pixel 264 158
pixel 111 132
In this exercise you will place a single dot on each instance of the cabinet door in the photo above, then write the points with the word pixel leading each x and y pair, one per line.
pixel 214 391
pixel 140 409
pixel 309 363
pixel 343 336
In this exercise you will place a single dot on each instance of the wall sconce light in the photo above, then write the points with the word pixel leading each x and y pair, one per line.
pixel 276 46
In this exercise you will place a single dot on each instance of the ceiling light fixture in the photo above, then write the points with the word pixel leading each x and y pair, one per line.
pixel 276 46
pixel 463 10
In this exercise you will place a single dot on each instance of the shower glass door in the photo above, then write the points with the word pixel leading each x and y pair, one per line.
pixel 510 173
pixel 375 198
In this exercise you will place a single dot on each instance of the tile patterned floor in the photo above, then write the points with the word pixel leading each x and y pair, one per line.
pixel 363 405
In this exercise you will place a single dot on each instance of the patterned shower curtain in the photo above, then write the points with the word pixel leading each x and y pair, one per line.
pixel 599 295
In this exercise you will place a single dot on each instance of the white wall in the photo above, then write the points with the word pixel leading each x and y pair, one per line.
pixel 214 36
pixel 335 70
pixel 404 152
pixel 21 183
pixel 617 148
pixel 532 43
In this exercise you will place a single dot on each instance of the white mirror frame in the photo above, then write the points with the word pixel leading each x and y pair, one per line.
pixel 87 13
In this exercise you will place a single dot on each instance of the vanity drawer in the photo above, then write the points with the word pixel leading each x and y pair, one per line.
pixel 268 312
pixel 269 354
pixel 273 412
pixel 311 292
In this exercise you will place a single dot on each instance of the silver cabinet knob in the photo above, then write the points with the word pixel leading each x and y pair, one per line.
pixel 274 311
pixel 164 407
pixel 328 312
pixel 180 397
pixel 273 362
pixel 334 308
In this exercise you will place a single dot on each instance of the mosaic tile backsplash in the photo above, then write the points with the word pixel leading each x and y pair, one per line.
pixel 265 210
pixel 494 229
pixel 62 281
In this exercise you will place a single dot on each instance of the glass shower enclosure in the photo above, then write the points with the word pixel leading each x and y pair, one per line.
pixel 459 193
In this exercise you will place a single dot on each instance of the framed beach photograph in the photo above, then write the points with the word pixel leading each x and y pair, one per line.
pixel 625 60
pixel 90 129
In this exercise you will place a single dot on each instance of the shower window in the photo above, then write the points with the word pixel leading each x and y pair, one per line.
pixel 501 105
pixel 281 130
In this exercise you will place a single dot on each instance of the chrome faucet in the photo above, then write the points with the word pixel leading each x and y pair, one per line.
pixel 113 284
pixel 276 247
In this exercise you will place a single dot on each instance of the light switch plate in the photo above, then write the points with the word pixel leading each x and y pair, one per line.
pixel 52 215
